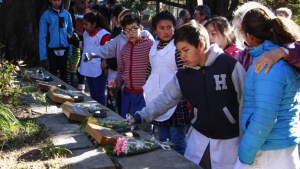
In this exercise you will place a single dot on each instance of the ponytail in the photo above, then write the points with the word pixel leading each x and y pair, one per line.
pixel 284 31
pixel 102 22
pixel 279 30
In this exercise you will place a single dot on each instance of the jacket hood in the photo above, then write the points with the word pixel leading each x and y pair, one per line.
pixel 215 52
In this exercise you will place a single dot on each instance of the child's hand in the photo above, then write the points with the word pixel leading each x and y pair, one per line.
pixel 104 65
pixel 129 119
pixel 267 59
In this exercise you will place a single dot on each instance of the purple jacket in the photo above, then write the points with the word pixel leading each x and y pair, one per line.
pixel 293 58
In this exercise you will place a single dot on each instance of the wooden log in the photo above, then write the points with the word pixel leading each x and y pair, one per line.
pixel 102 135
pixel 44 86
pixel 59 98
pixel 75 113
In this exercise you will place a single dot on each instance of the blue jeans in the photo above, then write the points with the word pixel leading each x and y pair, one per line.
pixel 175 134
pixel 131 101
pixel 97 86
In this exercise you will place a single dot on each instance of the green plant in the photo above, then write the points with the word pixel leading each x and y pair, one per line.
pixel 9 90
pixel 8 122
pixel 135 5
pixel 51 151
pixel 13 131
pixel 35 93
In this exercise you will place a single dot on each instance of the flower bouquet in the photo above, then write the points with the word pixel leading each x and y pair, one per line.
pixel 112 123
pixel 111 84
pixel 132 146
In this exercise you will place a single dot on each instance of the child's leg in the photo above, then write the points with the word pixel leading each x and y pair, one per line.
pixel 176 134
pixel 95 89
pixel 164 133
pixel 62 66
pixel 81 83
pixel 52 59
pixel 138 102
pixel 125 103
pixel 101 88
pixel 178 138
pixel 119 100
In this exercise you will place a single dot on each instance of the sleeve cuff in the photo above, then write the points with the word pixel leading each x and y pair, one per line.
pixel 137 118
pixel 285 50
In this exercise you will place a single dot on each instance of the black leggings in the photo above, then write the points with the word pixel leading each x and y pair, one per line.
pixel 58 63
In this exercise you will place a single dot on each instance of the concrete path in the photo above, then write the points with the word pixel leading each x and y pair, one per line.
pixel 85 154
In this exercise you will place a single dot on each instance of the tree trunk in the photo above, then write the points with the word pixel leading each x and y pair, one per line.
pixel 19 28
pixel 222 7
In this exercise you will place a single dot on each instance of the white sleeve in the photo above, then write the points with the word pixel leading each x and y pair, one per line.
pixel 169 98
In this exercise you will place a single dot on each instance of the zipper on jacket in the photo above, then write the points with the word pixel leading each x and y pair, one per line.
pixel 206 96
pixel 59 30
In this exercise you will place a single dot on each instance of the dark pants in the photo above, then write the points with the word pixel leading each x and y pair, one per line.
pixel 58 63
pixel 119 100
pixel 175 134
pixel 131 101
pixel 97 87
pixel 80 78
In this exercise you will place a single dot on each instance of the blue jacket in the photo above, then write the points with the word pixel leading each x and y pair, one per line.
pixel 270 114
pixel 49 25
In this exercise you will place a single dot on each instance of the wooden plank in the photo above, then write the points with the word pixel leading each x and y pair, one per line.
pixel 44 86
pixel 59 98
pixel 75 113
pixel 102 135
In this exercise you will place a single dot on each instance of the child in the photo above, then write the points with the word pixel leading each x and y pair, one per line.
pixel 270 113
pixel 73 60
pixel 164 62
pixel 112 49
pixel 220 33
pixel 111 63
pixel 94 36
pixel 184 16
pixel 212 82
pixel 133 65
pixel 55 26
pixel 269 57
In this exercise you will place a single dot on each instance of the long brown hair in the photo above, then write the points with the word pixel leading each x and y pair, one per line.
pixel 279 30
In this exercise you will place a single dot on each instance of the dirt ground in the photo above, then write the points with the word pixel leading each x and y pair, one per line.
pixel 25 157
pixel 28 155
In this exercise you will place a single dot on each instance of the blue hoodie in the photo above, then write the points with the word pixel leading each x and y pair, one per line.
pixel 49 23
pixel 270 114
